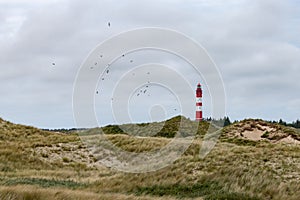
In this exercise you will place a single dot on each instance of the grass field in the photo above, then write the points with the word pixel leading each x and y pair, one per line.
pixel 36 164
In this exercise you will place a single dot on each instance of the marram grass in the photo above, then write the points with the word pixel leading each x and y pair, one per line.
pixel 36 164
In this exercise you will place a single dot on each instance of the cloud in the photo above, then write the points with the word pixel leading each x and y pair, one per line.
pixel 254 43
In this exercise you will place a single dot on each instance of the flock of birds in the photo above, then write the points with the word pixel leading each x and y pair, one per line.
pixel 140 92
pixel 107 71
pixel 143 91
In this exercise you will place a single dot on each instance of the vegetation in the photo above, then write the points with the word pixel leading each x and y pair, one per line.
pixel 294 124
pixel 39 164
pixel 178 125
pixel 225 121
pixel 208 190
pixel 43 182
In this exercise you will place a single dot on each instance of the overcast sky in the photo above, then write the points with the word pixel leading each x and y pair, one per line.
pixel 254 43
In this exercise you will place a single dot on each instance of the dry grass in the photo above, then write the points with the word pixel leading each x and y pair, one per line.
pixel 36 164
pixel 30 192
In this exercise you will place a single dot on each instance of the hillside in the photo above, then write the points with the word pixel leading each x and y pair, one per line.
pixel 253 159
pixel 168 128
pixel 259 130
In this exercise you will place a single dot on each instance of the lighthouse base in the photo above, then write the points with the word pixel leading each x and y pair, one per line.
pixel 199 116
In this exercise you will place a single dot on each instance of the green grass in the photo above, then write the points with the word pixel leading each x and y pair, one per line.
pixel 240 142
pixel 44 183
pixel 209 190
pixel 266 134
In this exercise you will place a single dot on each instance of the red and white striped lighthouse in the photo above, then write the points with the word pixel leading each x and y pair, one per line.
pixel 199 103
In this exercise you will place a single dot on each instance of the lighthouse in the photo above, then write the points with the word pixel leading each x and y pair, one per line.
pixel 199 103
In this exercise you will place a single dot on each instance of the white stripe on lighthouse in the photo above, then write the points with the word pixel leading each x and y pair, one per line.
pixel 199 108
pixel 198 99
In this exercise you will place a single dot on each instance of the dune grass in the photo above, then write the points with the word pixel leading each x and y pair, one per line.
pixel 25 192
pixel 37 164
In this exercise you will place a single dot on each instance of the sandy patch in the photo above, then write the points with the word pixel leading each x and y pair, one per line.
pixel 289 140
pixel 259 130
pixel 253 135
pixel 66 153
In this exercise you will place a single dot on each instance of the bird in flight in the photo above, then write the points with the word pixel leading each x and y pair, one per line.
pixel 53 64
pixel 108 24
